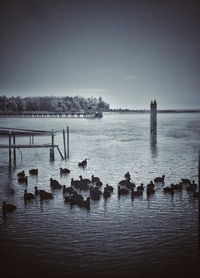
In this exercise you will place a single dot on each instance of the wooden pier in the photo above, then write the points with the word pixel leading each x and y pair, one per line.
pixel 89 115
pixel 12 145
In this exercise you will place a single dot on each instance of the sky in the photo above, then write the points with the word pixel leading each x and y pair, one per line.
pixel 127 52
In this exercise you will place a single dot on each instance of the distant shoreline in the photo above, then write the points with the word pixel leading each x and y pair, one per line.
pixel 159 111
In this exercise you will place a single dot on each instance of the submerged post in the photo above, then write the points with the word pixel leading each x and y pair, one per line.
pixel 9 148
pixel 52 146
pixel 68 142
pixel 64 143
pixel 14 149
pixel 153 117
pixel 199 196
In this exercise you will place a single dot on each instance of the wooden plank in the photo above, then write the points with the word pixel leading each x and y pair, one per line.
pixel 2 146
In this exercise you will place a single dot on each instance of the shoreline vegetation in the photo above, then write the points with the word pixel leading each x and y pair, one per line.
pixel 60 105
pixel 52 104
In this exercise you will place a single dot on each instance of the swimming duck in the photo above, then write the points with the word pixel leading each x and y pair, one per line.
pixel 108 188
pixel 43 194
pixel 83 163
pixel 21 174
pixel 69 190
pixel 7 207
pixel 33 172
pixel 160 179
pixel 95 179
pixel 64 171
pixel 55 184
pixel 106 193
pixel 122 191
pixel 28 196
pixel 85 203
pixel 127 176
pixel 169 189
pixel 23 179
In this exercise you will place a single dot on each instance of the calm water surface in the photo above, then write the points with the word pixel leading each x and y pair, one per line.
pixel 116 237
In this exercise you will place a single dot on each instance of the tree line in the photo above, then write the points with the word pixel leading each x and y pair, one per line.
pixel 52 104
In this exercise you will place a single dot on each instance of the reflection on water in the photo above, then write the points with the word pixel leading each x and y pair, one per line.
pixel 153 145
pixel 117 237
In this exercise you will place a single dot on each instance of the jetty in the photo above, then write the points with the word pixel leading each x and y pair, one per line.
pixel 38 114
pixel 12 145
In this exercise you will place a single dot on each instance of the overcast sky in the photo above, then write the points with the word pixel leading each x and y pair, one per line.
pixel 128 52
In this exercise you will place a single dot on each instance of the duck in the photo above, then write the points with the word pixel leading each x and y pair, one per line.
pixel 28 196
pixel 69 190
pixel 64 171
pixel 87 181
pixel 21 174
pixel 109 188
pixel 160 179
pixel 106 193
pixel 43 194
pixel 55 184
pixel 122 191
pixel 186 181
pixel 151 185
pixel 150 190
pixel 84 183
pixel 192 186
pixel 75 183
pixel 136 193
pixel 124 182
pixel 75 198
pixel 85 203
pixel 140 187
pixel 127 176
pixel 95 179
pixel 95 193
pixel 177 186
pixel 23 179
pixel 169 189
pixel 6 207
pixel 83 163
pixel 33 171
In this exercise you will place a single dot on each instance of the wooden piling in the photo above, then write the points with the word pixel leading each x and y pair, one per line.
pixel 68 142
pixel 14 149
pixel 52 143
pixel 199 196
pixel 153 117
pixel 64 144
pixel 10 157
pixel 60 152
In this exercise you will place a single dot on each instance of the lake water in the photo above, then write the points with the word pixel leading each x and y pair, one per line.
pixel 117 237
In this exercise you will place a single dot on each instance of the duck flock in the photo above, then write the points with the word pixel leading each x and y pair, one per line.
pixel 95 190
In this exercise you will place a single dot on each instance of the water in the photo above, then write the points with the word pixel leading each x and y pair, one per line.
pixel 143 237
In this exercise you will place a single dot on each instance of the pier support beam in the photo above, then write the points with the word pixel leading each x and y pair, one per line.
pixel 52 156
pixel 64 143
pixel 68 142
pixel 10 158
pixel 14 149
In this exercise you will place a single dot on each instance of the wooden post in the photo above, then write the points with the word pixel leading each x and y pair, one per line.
pixel 153 117
pixel 64 143
pixel 14 149
pixel 68 142
pixel 10 149
pixel 52 143
pixel 199 196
